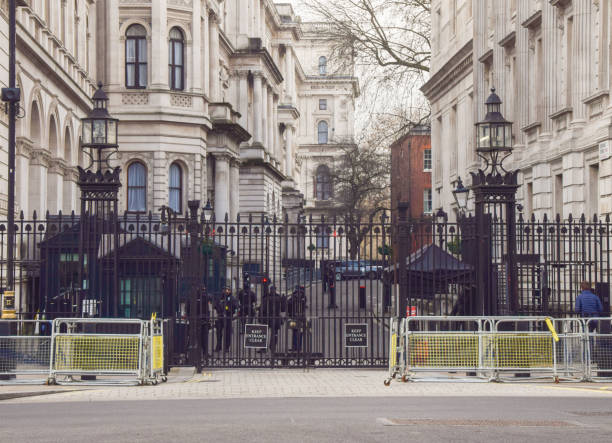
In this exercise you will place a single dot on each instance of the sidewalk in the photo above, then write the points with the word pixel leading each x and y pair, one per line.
pixel 278 383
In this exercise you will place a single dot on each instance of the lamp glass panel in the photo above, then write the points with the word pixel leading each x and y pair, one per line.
pixel 112 132
pixel 461 197
pixel 484 138
pixel 99 131
pixel 498 138
pixel 508 134
pixel 86 131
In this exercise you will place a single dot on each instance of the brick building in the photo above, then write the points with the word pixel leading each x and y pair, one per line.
pixel 411 172
pixel 411 179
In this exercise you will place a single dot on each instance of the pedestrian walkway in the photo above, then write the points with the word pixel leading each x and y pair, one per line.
pixel 222 384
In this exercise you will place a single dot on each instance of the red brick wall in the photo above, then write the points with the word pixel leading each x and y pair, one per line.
pixel 408 180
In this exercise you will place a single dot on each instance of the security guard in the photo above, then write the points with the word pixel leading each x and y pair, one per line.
pixel 226 307
pixel 272 305
pixel 247 300
pixel 296 310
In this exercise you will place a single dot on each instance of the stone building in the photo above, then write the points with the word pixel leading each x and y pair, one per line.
pixel 215 101
pixel 550 63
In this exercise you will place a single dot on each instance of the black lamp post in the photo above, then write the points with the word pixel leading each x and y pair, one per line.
pixel 99 130
pixel 461 193
pixel 99 183
pixel 494 191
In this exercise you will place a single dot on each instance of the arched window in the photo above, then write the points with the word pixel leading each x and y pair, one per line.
pixel 136 57
pixel 323 184
pixel 322 132
pixel 176 64
pixel 322 65
pixel 175 188
pixel 137 187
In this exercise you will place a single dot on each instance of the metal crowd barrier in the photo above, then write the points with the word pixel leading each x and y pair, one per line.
pixel 118 350
pixel 156 351
pixel 396 365
pixel 25 349
pixel 502 348
pixel 599 349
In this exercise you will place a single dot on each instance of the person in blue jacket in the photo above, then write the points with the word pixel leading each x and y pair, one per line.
pixel 588 304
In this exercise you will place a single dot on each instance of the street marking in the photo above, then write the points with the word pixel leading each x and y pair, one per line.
pixel 603 390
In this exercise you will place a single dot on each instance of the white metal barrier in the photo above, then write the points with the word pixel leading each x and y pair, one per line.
pixel 502 348
pixel 155 354
pixel 25 349
pixel 599 348
pixel 99 347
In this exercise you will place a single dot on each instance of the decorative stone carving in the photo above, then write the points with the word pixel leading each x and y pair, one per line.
pixel 135 98
pixel 181 3
pixel 181 100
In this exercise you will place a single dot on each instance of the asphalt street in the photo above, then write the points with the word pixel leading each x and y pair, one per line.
pixel 474 419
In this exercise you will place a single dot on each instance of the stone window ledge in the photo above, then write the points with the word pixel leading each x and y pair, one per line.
pixel 561 113
pixel 531 126
pixel 598 95
pixel 534 21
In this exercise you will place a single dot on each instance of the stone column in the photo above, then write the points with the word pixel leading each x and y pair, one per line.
pixel 522 63
pixel 205 42
pixel 257 108
pixel 159 189
pixel 22 182
pixel 270 114
pixel 196 50
pixel 113 43
pixel 290 79
pixel 222 194
pixel 243 24
pixel 55 185
pixel 264 116
pixel 214 57
pixel 37 176
pixel 234 196
pixel 289 151
pixel 256 18
pixel 243 99
pixel 549 31
pixel 275 136
pixel 580 63
pixel 159 44
pixel 70 192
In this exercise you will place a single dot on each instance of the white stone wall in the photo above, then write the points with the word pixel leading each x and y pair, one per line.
pixel 551 65
pixel 56 86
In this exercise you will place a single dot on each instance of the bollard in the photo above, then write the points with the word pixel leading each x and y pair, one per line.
pixel 362 297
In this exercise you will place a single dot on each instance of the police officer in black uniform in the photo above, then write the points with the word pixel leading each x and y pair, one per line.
pixel 247 300
pixel 272 305
pixel 226 307
pixel 330 279
pixel 204 320
pixel 296 310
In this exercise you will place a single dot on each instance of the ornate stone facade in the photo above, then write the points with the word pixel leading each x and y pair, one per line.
pixel 550 62
pixel 222 90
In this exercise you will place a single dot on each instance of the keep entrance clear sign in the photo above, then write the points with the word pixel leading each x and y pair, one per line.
pixel 356 335
pixel 256 336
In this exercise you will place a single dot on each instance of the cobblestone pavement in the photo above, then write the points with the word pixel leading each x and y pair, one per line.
pixel 228 384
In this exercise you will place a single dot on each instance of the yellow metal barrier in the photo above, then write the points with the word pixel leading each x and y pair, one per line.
pixel 519 350
pixel 431 350
pixel 157 353
pixel 97 353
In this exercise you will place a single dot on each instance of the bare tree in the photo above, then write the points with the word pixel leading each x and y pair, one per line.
pixel 361 190
pixel 388 44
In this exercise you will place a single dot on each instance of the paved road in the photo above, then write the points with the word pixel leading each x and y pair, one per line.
pixel 314 420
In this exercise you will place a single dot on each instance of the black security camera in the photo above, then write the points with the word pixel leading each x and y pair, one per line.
pixel 11 95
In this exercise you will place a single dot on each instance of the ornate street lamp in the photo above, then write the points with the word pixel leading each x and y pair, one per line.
pixel 460 193
pixel 99 129
pixel 207 211
pixel 494 134
pixel 494 189
pixel 99 184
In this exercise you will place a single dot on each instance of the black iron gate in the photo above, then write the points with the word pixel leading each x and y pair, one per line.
pixel 332 309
